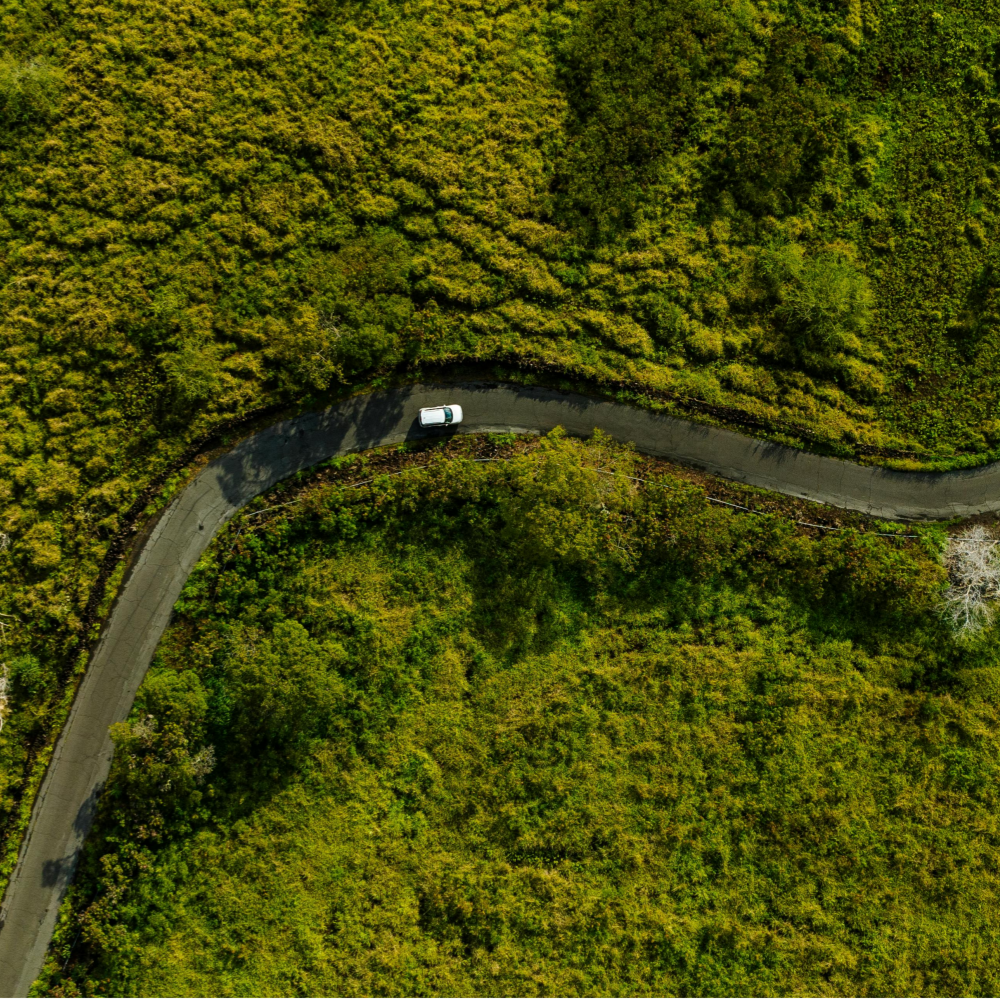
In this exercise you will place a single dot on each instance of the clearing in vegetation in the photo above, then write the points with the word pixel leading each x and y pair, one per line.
pixel 527 726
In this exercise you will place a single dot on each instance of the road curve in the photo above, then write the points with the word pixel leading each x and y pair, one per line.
pixel 66 802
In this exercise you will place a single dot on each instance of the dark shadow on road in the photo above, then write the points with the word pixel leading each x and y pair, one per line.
pixel 278 452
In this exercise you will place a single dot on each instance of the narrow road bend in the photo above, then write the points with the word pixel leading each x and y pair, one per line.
pixel 66 802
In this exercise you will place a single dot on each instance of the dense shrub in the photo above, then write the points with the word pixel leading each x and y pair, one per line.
pixel 824 299
pixel 28 89
pixel 642 79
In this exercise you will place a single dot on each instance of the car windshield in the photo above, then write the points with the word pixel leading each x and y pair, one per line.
pixel 447 414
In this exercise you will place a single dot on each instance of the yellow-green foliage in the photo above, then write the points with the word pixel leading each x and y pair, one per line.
pixel 524 728
pixel 209 206
pixel 28 89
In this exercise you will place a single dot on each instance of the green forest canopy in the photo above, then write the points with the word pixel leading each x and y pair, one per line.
pixel 525 728
pixel 209 207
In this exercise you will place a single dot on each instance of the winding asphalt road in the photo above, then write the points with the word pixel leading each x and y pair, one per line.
pixel 65 806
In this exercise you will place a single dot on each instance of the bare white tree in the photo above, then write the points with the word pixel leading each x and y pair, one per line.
pixel 203 762
pixel 4 667
pixel 974 575
pixel 144 728
pixel 4 695
pixel 328 324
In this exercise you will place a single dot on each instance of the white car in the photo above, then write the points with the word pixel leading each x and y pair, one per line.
pixel 440 416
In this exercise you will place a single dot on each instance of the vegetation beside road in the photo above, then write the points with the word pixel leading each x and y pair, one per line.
pixel 786 208
pixel 530 726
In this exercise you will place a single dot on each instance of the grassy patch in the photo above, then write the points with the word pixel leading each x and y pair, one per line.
pixel 521 727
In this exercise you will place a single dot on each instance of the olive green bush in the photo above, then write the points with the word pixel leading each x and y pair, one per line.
pixel 823 300
pixel 28 89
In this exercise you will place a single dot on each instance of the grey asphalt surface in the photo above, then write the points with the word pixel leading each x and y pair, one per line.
pixel 66 802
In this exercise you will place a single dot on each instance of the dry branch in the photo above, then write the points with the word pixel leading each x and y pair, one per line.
pixel 4 693
pixel 974 576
